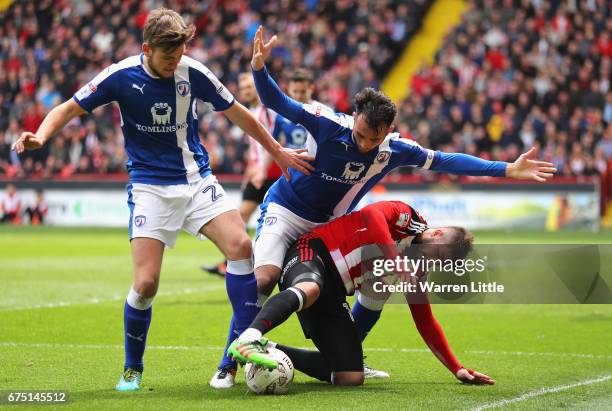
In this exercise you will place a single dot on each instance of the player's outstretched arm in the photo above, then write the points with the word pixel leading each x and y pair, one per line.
pixel 52 123
pixel 434 337
pixel 270 94
pixel 285 157
pixel 524 168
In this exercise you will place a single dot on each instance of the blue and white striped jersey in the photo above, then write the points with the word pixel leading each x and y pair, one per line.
pixel 343 175
pixel 158 117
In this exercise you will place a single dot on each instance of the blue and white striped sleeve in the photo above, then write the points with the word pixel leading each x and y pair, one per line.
pixel 207 87
pixel 101 90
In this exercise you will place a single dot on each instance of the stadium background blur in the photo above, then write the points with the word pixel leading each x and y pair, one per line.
pixel 510 75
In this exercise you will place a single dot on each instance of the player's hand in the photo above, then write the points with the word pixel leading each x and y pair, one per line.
pixel 261 50
pixel 526 168
pixel 297 159
pixel 468 376
pixel 27 141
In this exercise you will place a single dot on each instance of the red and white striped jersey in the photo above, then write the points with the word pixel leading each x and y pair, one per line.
pixel 266 117
pixel 382 224
pixel 11 204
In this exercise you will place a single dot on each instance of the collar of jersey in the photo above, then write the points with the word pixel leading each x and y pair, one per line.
pixel 146 70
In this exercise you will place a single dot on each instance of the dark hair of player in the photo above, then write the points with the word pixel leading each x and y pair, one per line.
pixel 457 245
pixel 376 107
pixel 301 74
pixel 461 242
pixel 165 29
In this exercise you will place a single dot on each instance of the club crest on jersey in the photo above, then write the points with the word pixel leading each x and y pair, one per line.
pixel 183 88
pixel 270 220
pixel 140 220
pixel 353 170
pixel 383 156
pixel 298 136
pixel 161 113
pixel 92 87
pixel 403 219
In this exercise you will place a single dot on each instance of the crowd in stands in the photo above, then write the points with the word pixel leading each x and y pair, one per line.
pixel 513 74
pixel 508 78
pixel 48 49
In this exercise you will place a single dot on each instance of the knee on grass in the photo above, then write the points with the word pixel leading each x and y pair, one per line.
pixel 348 378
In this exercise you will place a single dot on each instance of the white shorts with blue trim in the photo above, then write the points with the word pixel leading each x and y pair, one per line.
pixel 160 212
pixel 278 229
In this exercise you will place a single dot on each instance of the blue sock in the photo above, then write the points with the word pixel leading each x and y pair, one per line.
pixel 364 319
pixel 136 326
pixel 241 287
pixel 231 336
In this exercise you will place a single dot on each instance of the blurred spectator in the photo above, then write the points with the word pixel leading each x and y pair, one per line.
pixel 513 74
pixel 38 210
pixel 11 205
pixel 349 44
pixel 516 74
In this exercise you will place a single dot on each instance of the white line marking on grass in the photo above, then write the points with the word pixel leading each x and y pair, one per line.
pixel 518 353
pixel 541 354
pixel 542 391
pixel 97 300
pixel 109 346
pixel 214 347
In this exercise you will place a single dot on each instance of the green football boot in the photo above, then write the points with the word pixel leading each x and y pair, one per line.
pixel 252 351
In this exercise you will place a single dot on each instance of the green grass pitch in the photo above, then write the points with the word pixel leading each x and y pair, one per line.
pixel 61 322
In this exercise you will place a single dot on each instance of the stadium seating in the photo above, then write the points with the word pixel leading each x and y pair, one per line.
pixel 507 77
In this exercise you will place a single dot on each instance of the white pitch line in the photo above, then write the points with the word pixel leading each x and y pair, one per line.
pixel 214 347
pixel 97 300
pixel 109 346
pixel 542 391
pixel 541 354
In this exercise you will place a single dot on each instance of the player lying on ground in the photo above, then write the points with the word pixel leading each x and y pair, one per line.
pixel 171 186
pixel 352 154
pixel 325 266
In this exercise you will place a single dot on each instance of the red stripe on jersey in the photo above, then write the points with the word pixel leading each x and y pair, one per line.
pixel 379 224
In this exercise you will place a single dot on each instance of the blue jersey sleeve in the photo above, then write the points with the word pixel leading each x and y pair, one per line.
pixel 319 120
pixel 101 90
pixel 207 87
pixel 412 154
pixel 465 164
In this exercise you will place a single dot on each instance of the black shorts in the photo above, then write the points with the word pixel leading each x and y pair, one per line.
pixel 328 322
pixel 251 193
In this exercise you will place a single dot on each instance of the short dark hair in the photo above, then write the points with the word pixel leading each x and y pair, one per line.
pixel 167 30
pixel 377 108
pixel 457 247
pixel 461 242
pixel 301 74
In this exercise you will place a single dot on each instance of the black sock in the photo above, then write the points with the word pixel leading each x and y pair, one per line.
pixel 277 309
pixel 311 363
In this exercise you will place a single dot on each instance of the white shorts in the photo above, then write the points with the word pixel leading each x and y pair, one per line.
pixel 160 212
pixel 279 229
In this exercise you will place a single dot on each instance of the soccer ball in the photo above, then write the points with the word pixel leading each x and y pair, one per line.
pixel 277 381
